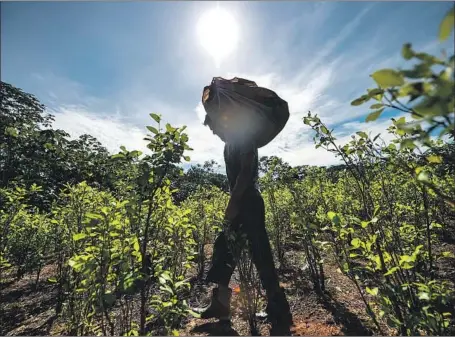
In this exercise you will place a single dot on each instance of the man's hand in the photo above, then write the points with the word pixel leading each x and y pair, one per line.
pixel 232 210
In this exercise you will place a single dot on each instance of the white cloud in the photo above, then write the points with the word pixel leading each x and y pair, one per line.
pixel 110 131
pixel 325 82
pixel 325 85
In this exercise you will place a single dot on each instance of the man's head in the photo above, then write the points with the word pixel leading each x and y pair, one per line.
pixel 216 127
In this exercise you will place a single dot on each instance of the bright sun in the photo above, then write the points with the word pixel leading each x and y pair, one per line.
pixel 218 33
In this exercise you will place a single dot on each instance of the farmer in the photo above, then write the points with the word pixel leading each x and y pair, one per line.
pixel 245 211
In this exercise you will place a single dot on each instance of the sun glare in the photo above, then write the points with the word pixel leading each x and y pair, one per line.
pixel 218 33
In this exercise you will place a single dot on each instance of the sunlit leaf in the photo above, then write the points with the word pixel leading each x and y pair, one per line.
pixel 372 291
pixel 448 254
pixel 356 242
pixel 407 51
pixel 136 245
pixel 434 159
pixel 391 271
pixel 156 117
pixel 424 296
pixel 387 78
pixel 374 115
pixel 362 134
pixel 360 100
pixel 447 25
pixel 79 236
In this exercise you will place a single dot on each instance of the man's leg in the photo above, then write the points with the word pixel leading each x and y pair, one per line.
pixel 220 273
pixel 223 264
pixel 254 224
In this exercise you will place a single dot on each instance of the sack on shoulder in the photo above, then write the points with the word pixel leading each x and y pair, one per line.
pixel 246 106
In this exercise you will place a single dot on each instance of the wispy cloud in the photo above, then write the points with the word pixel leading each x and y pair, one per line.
pixel 311 73
pixel 109 130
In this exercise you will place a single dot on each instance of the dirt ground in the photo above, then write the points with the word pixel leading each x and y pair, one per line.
pixel 28 309
pixel 339 311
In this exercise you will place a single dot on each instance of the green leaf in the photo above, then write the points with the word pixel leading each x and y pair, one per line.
pixel 156 117
pixel 386 78
pixel 435 225
pixel 10 131
pixel 434 159
pixel 324 130
pixel 362 134
pixel 136 245
pixel 373 291
pixel 152 129
pixel 374 115
pixel 400 120
pixel 430 106
pixel 423 176
pixel 184 137
pixel 429 59
pixel 406 143
pixel 166 276
pixel 345 267
pixel 418 71
pixel 446 25
pixel 136 153
pixel 391 271
pixel 94 216
pixel 52 280
pixel 167 289
pixel 407 51
pixel 375 92
pixel 333 217
pixel 187 158
pixel 79 236
pixel 424 296
pixel 448 254
pixel 377 106
pixel 356 242
pixel 360 100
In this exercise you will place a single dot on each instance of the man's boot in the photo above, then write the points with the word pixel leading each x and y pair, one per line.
pixel 279 313
pixel 220 305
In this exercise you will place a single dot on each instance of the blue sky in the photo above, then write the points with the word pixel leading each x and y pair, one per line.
pixel 102 67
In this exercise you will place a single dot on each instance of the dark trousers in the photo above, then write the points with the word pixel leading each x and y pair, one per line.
pixel 251 221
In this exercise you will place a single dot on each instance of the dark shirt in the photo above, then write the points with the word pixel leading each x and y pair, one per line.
pixel 232 157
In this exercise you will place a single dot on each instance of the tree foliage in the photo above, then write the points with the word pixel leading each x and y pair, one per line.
pixel 128 232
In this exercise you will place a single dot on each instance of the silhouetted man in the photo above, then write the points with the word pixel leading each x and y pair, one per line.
pixel 245 212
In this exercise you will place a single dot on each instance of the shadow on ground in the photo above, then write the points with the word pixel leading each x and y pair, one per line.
pixel 215 329
pixel 352 325
pixel 303 288
pixel 29 307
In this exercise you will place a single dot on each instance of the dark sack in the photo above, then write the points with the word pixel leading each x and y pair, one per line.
pixel 246 107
